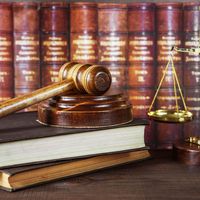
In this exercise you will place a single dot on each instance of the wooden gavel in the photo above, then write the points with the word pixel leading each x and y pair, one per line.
pixel 85 78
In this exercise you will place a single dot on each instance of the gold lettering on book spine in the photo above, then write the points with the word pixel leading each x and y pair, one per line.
pixel 55 49
pixel 165 45
pixel 3 76
pixel 113 48
pixel 140 49
pixel 84 46
pixel 54 76
pixel 5 49
pixel 27 48
pixel 191 43
pixel 29 75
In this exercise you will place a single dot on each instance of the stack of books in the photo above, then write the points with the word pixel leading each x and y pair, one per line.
pixel 31 153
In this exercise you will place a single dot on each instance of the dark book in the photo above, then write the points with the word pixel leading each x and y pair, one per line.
pixel 141 61
pixel 13 179
pixel 141 57
pixel 27 141
pixel 83 32
pixel 169 24
pixel 6 52
pixel 113 41
pixel 191 69
pixel 54 32
pixel 26 48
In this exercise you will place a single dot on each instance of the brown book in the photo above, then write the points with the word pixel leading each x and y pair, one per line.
pixel 191 67
pixel 141 62
pixel 54 32
pixel 27 141
pixel 141 56
pixel 6 52
pixel 26 47
pixel 12 179
pixel 169 23
pixel 83 32
pixel 113 41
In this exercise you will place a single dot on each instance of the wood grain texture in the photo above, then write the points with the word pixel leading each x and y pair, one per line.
pixel 78 111
pixel 160 178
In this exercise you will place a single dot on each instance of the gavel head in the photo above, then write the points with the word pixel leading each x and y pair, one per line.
pixel 91 79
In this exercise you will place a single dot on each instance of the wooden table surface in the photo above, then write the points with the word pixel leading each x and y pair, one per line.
pixel 158 178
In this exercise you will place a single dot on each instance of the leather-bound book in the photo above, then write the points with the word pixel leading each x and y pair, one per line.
pixel 26 47
pixel 113 42
pixel 27 141
pixel 83 32
pixel 54 31
pixel 141 56
pixel 16 178
pixel 191 67
pixel 169 23
pixel 6 52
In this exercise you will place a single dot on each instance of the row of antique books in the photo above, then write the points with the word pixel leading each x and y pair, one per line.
pixel 132 40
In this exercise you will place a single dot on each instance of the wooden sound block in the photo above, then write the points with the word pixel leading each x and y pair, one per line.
pixel 78 111
pixel 187 153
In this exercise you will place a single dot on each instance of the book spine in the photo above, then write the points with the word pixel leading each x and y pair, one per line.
pixel 169 34
pixel 113 41
pixel 141 62
pixel 26 48
pixel 141 56
pixel 83 32
pixel 54 32
pixel 6 52
pixel 191 68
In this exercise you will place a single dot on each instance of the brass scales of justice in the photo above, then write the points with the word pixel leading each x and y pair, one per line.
pixel 177 115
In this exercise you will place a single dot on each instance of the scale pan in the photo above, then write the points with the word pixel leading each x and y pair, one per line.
pixel 175 116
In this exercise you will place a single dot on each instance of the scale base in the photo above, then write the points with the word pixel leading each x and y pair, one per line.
pixel 174 116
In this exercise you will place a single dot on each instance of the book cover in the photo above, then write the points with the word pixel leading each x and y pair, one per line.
pixel 169 26
pixel 13 179
pixel 191 66
pixel 141 57
pixel 26 48
pixel 26 140
pixel 54 34
pixel 6 52
pixel 84 32
pixel 113 41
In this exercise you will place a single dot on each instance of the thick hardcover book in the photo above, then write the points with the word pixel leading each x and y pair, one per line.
pixel 169 22
pixel 12 179
pixel 27 141
pixel 54 32
pixel 84 32
pixel 6 52
pixel 113 41
pixel 141 56
pixel 26 47
pixel 191 28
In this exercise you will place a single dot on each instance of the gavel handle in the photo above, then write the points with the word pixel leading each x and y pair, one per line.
pixel 18 103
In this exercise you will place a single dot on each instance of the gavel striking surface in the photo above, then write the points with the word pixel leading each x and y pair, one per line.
pixel 78 111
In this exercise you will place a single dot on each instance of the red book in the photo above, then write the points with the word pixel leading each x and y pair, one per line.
pixel 141 56
pixel 26 48
pixel 169 22
pixel 83 32
pixel 54 30
pixel 113 41
pixel 141 62
pixel 191 67
pixel 6 52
